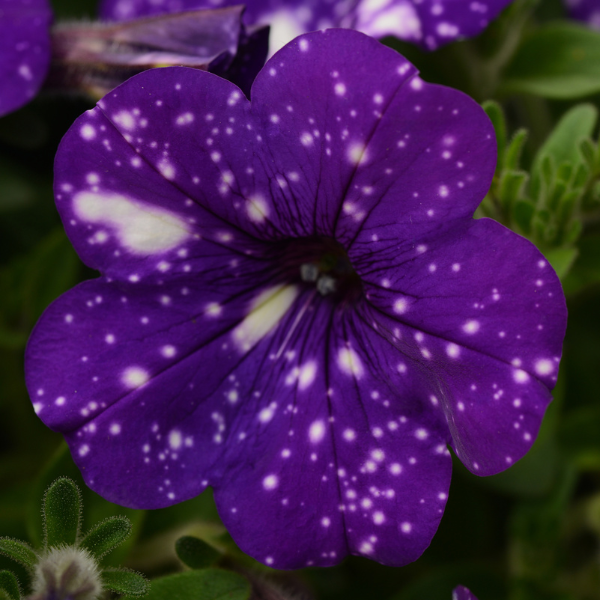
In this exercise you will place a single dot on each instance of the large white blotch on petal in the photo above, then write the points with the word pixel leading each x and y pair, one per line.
pixel 140 228
pixel 349 362
pixel 285 26
pixel 266 311
pixel 379 18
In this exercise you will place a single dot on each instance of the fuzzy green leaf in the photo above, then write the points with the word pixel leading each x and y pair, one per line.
pixel 512 157
pixel 566 207
pixel 522 214
pixel 496 114
pixel 556 195
pixel 589 151
pixel 563 144
pixel 548 171
pixel 19 551
pixel 126 582
pixel 208 584
pixel 562 259
pixel 106 536
pixel 573 232
pixel 581 177
pixel 196 553
pixel 511 186
pixel 62 513
pixel 9 584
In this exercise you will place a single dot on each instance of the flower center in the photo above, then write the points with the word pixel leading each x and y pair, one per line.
pixel 323 263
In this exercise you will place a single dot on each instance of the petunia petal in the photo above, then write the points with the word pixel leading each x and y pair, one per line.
pixel 148 388
pixel 141 182
pixel 430 23
pixel 439 22
pixel 585 10
pixel 374 467
pixel 462 593
pixel 495 338
pixel 24 50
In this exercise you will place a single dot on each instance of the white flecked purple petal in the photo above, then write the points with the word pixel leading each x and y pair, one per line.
pixel 429 23
pixel 24 50
pixel 202 357
pixel 462 593
pixel 587 11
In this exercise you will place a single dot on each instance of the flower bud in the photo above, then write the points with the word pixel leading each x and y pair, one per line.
pixel 66 573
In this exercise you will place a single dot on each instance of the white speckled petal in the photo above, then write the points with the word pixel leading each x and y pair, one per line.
pixel 462 593
pixel 24 50
pixel 495 338
pixel 373 461
pixel 429 23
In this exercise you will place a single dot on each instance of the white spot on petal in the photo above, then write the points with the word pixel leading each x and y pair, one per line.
pixel 175 439
pixel 316 432
pixel 270 482
pixel 267 309
pixel 471 327
pixel 349 362
pixel 258 209
pixel 544 367
pixel 141 228
pixel 134 377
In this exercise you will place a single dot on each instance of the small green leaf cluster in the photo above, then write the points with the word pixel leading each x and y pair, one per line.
pixel 204 581
pixel 550 202
pixel 67 565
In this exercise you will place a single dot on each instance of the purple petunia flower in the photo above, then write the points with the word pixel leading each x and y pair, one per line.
pixel 462 593
pixel 585 10
pixel 429 23
pixel 296 307
pixel 24 50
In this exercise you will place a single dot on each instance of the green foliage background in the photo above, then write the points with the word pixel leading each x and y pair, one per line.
pixel 531 533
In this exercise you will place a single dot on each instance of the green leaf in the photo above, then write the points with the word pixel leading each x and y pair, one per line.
pixel 515 149
pixel 9 584
pixel 496 114
pixel 62 513
pixel 511 186
pixel 559 60
pixel 19 551
pixel 208 584
pixel 106 536
pixel 581 177
pixel 564 143
pixel 562 259
pixel 523 212
pixel 196 553
pixel 96 508
pixel 124 581
pixel 554 200
pixel 589 152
